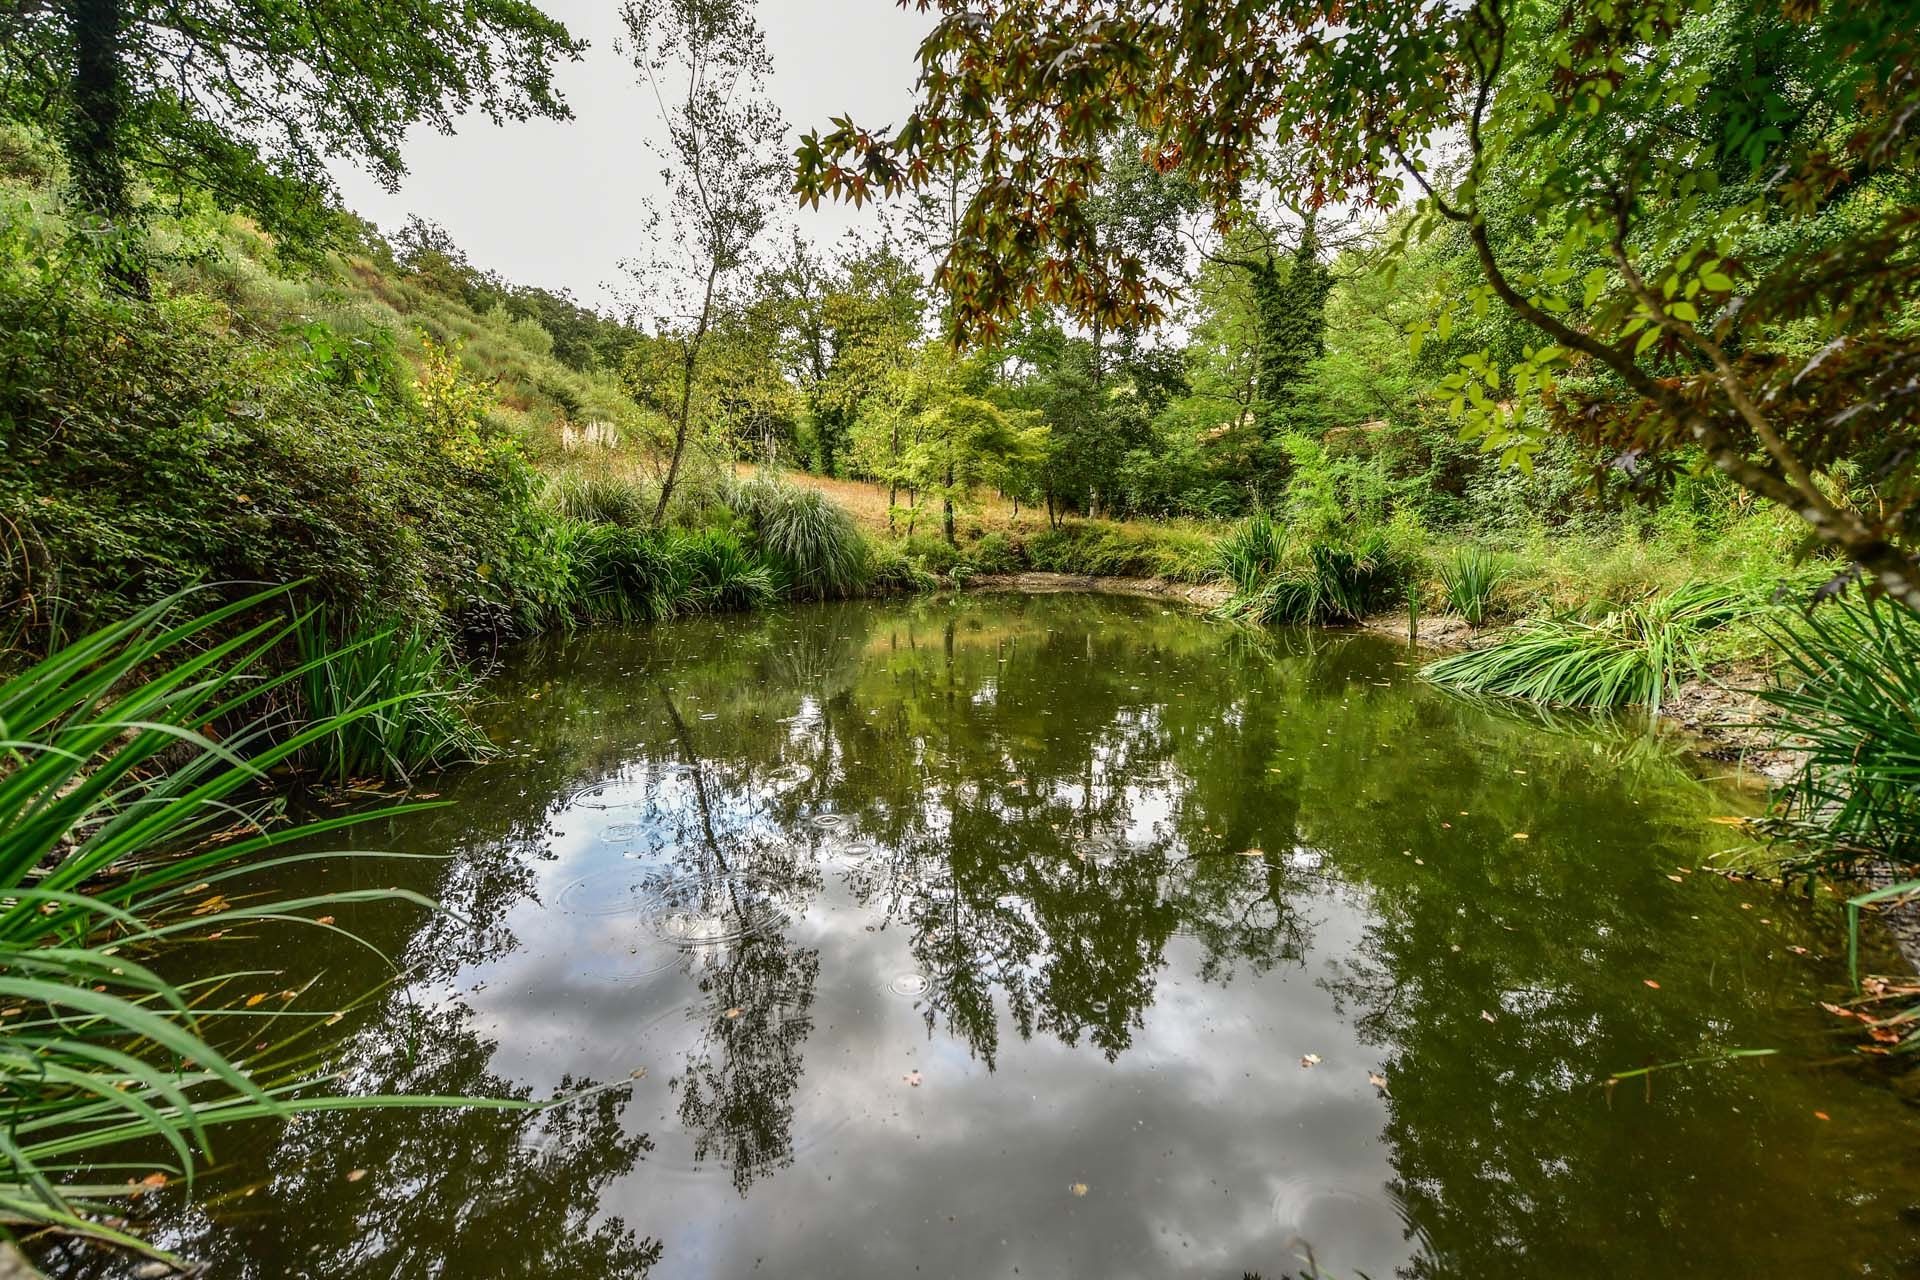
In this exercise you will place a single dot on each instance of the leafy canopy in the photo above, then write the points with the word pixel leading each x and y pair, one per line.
pixel 1703 210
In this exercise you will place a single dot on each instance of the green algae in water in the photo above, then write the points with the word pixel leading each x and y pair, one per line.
pixel 1068 935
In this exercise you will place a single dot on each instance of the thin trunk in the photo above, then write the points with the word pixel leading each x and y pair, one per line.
pixel 947 515
pixel 686 395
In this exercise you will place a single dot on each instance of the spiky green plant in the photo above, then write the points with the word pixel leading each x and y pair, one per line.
pixel 1339 583
pixel 1252 552
pixel 1848 698
pixel 813 541
pixel 598 499
pixel 417 691
pixel 721 573
pixel 627 575
pixel 1470 577
pixel 1631 656
pixel 123 827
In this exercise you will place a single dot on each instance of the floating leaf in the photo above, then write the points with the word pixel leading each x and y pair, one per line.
pixel 1078 1188
pixel 1309 1059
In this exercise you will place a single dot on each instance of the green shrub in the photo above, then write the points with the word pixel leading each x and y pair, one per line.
pixel 1630 656
pixel 994 553
pixel 721 573
pixel 400 697
pixel 154 444
pixel 890 570
pixel 1101 548
pixel 1254 550
pixel 812 541
pixel 1849 698
pixel 1470 577
pixel 1339 583
pixel 599 499
pixel 627 575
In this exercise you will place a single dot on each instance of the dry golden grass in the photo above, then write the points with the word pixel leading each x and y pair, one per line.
pixel 987 512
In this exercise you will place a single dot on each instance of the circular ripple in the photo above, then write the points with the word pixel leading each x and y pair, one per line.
pixel 911 984
pixel 830 821
pixel 789 775
pixel 609 892
pixel 623 831
pixel 605 795
pixel 712 910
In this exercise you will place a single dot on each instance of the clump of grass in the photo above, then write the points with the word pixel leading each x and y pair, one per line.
pixel 1849 699
pixel 398 694
pixel 1470 578
pixel 599 499
pixel 1630 656
pixel 1104 548
pixel 722 574
pixel 626 575
pixel 1254 551
pixel 1339 583
pixel 106 856
pixel 810 538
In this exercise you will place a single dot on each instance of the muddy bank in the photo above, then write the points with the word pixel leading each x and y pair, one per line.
pixel 1206 595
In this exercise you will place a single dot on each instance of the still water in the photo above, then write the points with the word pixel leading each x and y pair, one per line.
pixel 1063 936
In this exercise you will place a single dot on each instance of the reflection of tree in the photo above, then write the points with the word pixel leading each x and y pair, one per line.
pixel 465 1193
pixel 736 1093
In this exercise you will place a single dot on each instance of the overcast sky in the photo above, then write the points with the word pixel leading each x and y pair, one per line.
pixel 556 203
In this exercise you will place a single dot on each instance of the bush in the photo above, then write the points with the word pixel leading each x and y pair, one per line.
pixel 994 553
pixel 1470 577
pixel 156 444
pixel 1339 583
pixel 398 695
pixel 1630 656
pixel 810 539
pixel 626 575
pixel 720 573
pixel 1252 552
pixel 599 499
pixel 1100 548
pixel 1850 699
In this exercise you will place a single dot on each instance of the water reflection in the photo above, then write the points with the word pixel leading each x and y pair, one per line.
pixel 1076 936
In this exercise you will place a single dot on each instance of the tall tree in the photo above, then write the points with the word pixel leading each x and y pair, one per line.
pixel 249 101
pixel 1731 189
pixel 708 65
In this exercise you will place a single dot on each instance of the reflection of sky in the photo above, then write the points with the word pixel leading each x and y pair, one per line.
pixel 1205 1146
pixel 1087 851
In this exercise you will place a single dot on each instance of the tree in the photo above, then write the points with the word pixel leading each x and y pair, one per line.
pixel 724 140
pixel 249 101
pixel 1729 187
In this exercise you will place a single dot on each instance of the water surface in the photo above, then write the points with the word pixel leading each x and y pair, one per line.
pixel 1065 936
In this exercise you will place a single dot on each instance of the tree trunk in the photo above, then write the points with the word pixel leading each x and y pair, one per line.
pixel 94 142
pixel 947 510
pixel 687 369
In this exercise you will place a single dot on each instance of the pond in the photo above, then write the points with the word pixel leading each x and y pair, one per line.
pixel 1062 936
